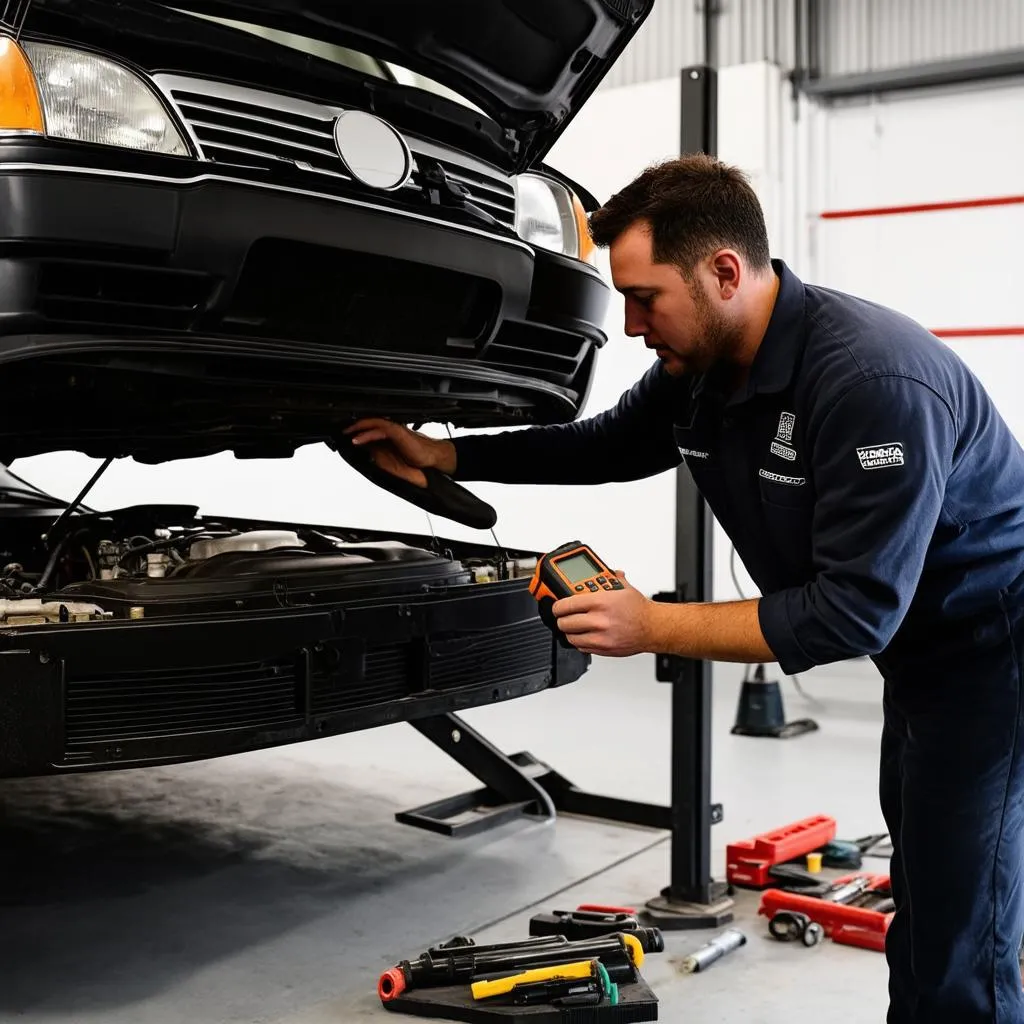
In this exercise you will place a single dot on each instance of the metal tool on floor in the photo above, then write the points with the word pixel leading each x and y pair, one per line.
pixel 543 978
pixel 857 911
pixel 711 952
pixel 790 925
pixel 464 961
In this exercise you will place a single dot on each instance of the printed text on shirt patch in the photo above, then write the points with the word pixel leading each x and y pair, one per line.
pixel 693 454
pixel 879 456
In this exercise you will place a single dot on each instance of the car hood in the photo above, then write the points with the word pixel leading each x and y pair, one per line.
pixel 529 64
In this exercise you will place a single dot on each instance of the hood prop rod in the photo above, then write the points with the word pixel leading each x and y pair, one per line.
pixel 61 520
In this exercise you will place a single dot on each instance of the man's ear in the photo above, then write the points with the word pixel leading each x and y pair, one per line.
pixel 727 268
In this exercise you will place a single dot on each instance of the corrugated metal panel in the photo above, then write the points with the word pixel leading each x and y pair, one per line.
pixel 755 30
pixel 673 37
pixel 670 39
pixel 872 35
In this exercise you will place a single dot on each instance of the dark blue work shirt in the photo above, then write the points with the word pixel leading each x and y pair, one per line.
pixel 872 490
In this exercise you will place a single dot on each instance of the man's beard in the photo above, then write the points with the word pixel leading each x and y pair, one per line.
pixel 717 339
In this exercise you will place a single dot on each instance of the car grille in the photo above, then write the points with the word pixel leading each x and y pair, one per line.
pixel 157 703
pixel 249 129
pixel 493 657
pixel 385 677
pixel 290 290
pixel 486 658
pixel 175 702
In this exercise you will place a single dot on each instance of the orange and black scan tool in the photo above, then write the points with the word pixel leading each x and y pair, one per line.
pixel 570 569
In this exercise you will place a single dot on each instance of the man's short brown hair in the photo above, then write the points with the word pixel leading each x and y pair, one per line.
pixel 694 205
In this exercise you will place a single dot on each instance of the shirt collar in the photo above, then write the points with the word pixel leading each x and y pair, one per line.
pixel 778 353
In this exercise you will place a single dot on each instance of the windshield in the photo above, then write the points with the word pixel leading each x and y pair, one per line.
pixel 361 62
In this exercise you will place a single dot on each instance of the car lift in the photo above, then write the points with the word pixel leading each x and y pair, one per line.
pixel 521 785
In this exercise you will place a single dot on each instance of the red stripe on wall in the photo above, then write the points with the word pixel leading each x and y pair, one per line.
pixel 978 332
pixel 953 204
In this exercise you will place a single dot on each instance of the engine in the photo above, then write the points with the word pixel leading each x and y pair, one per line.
pixel 160 561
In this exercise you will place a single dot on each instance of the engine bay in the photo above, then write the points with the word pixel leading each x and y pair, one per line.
pixel 151 561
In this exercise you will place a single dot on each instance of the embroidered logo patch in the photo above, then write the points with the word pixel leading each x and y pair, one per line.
pixel 786 423
pixel 693 454
pixel 879 456
pixel 779 478
pixel 784 438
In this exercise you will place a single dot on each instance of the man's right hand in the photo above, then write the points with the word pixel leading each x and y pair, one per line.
pixel 403 452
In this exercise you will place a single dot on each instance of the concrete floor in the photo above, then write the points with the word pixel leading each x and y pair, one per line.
pixel 274 887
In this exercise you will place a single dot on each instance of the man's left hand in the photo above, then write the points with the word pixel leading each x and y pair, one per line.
pixel 614 623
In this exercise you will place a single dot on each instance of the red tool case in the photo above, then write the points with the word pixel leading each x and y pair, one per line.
pixel 747 862
pixel 850 925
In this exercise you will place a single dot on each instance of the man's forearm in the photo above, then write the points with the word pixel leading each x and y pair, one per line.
pixel 726 631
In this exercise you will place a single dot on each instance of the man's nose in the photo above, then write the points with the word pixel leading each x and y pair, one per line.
pixel 635 326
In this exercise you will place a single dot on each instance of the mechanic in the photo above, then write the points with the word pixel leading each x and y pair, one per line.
pixel 876 498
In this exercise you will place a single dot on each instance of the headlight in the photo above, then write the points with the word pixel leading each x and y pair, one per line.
pixel 90 99
pixel 548 215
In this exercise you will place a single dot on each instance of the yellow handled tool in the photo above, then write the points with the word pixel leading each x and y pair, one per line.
pixel 560 972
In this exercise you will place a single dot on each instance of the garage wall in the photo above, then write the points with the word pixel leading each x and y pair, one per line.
pixel 921 206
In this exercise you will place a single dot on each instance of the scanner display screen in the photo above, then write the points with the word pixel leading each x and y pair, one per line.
pixel 578 567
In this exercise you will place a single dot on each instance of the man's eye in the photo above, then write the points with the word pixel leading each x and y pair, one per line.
pixel 645 300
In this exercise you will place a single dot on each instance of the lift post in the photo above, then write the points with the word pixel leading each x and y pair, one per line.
pixel 693 899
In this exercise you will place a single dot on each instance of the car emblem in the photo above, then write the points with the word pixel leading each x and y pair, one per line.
pixel 373 152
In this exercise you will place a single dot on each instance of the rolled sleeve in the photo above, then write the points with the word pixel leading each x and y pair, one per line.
pixel 879 462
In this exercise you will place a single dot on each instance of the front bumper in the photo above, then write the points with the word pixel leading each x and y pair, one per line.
pixel 119 694
pixel 106 241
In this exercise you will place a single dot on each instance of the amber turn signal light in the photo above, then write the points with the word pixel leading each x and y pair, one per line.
pixel 587 247
pixel 20 109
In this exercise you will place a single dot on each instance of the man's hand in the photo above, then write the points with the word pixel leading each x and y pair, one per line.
pixel 403 452
pixel 619 623
pixel 615 623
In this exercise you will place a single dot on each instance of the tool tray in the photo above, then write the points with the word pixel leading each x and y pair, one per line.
pixel 637 1002
pixel 844 923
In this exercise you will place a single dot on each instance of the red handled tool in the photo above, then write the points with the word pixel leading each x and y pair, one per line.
pixel 857 911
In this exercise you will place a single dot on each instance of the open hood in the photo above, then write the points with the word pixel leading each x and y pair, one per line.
pixel 528 64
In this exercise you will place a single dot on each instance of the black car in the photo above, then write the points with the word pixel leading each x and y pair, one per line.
pixel 237 226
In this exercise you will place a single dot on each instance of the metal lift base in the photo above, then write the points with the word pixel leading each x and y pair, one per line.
pixel 515 787
pixel 798 727
pixel 670 915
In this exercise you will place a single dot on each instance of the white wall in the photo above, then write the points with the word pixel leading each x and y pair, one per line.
pixel 619 132
pixel 956 268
